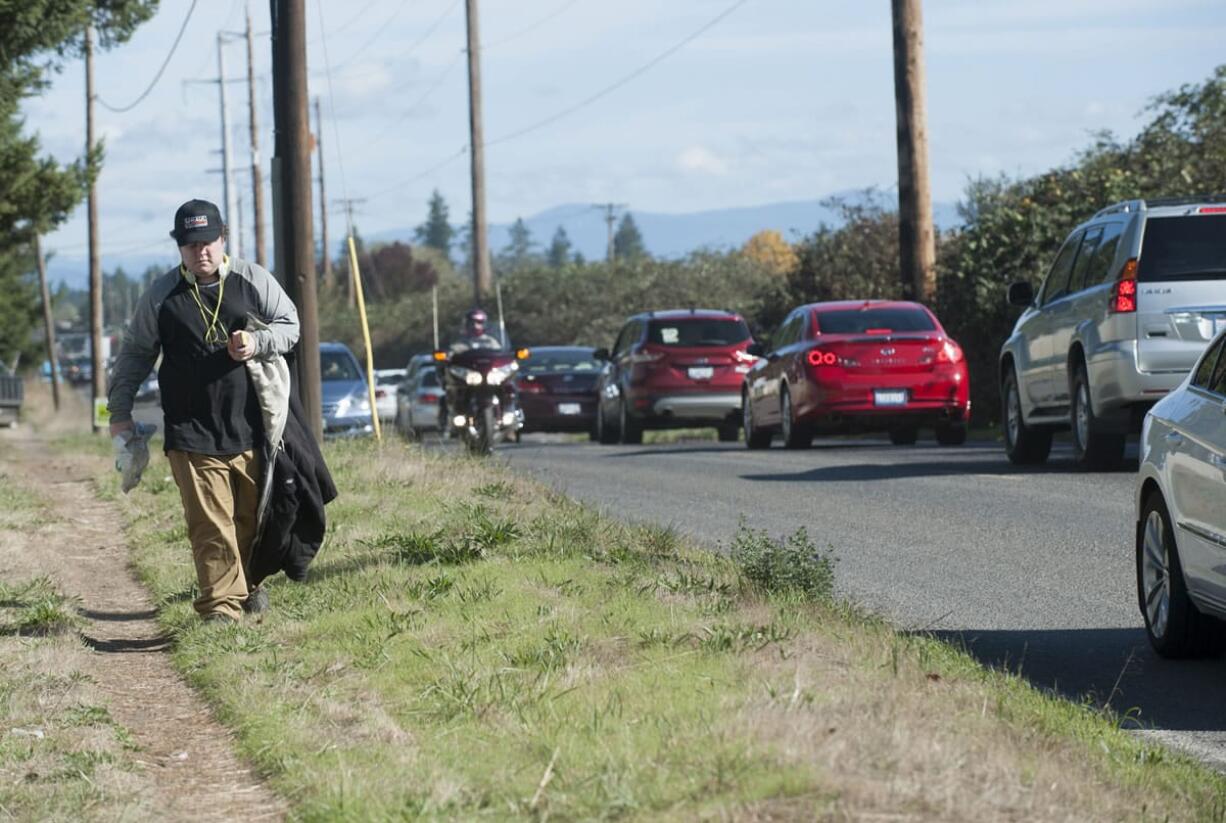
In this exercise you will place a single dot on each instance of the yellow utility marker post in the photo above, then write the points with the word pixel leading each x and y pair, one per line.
pixel 356 276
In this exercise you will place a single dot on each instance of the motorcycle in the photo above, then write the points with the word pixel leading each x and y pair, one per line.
pixel 482 405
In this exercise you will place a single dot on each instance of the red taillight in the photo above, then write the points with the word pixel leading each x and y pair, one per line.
pixel 817 357
pixel 878 331
pixel 380 394
pixel 531 387
pixel 1124 291
pixel 951 352
pixel 428 399
pixel 1211 210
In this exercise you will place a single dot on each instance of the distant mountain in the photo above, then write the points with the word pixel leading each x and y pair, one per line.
pixel 676 235
pixel 665 235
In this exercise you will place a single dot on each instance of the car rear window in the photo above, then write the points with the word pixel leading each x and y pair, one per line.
pixel 337 366
pixel 1191 247
pixel 561 362
pixel 429 378
pixel 870 321
pixel 697 332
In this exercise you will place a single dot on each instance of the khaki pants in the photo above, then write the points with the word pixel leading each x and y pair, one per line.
pixel 220 495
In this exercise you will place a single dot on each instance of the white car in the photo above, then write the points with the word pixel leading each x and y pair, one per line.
pixel 386 383
pixel 1181 513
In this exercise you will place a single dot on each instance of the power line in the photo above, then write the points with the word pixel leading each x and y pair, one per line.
pixel 400 186
pixel 359 52
pixel 455 61
pixel 623 81
pixel 346 25
pixel 336 129
pixel 556 13
pixel 156 77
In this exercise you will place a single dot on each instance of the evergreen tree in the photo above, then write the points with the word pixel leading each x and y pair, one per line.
pixel 436 232
pixel 559 249
pixel 518 251
pixel 36 192
pixel 627 242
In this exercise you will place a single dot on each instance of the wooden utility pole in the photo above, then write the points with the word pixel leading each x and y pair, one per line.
pixel 48 322
pixel 323 201
pixel 292 182
pixel 352 286
pixel 483 279
pixel 610 218
pixel 257 176
pixel 227 170
pixel 97 361
pixel 917 242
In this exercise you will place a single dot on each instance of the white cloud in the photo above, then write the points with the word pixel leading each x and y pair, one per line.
pixel 701 160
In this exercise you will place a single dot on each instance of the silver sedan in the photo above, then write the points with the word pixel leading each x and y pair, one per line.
pixel 1181 513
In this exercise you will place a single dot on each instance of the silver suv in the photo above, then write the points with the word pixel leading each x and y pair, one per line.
pixel 1132 299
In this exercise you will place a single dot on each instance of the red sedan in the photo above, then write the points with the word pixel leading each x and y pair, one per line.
pixel 873 365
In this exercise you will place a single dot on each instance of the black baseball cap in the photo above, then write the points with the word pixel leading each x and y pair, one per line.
pixel 197 221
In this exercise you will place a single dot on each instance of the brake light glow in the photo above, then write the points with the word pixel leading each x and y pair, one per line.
pixel 817 357
pixel 427 399
pixel 951 352
pixel 1211 210
pixel 1124 291
pixel 531 387
pixel 878 331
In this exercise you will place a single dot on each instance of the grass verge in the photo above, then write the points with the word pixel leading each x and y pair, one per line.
pixel 471 644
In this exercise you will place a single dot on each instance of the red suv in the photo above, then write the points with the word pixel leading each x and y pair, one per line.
pixel 673 369
pixel 869 365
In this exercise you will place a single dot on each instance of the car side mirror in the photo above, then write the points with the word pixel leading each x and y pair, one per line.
pixel 601 354
pixel 756 349
pixel 1021 294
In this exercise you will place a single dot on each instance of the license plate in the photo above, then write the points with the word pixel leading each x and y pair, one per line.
pixel 701 372
pixel 568 408
pixel 890 397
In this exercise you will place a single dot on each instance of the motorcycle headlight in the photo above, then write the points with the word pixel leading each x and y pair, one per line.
pixel 472 378
pixel 501 374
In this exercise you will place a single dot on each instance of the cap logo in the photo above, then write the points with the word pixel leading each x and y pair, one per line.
pixel 196 221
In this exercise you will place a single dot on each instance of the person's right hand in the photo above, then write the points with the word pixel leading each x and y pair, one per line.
pixel 117 428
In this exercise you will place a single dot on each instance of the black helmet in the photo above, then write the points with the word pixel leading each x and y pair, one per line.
pixel 474 322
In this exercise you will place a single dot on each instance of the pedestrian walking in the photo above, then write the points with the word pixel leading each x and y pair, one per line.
pixel 206 318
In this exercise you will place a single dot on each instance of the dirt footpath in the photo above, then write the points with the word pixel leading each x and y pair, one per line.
pixel 190 769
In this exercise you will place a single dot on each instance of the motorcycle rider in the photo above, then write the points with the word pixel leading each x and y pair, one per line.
pixel 473 335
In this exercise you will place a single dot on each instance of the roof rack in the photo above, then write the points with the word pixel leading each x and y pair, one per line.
pixel 1185 201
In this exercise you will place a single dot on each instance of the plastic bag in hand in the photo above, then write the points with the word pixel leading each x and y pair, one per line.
pixel 132 453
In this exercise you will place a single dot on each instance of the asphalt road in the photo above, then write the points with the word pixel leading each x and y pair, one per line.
pixel 1031 569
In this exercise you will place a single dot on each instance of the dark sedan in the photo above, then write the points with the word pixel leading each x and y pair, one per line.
pixel 557 389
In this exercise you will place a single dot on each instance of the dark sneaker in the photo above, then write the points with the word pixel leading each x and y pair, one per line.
pixel 256 602
pixel 219 619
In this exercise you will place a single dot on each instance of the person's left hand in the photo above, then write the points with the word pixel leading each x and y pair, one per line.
pixel 241 346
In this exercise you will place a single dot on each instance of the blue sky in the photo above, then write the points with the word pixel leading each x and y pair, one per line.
pixel 780 100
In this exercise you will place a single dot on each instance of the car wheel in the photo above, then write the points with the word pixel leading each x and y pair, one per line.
pixel 1172 622
pixel 951 434
pixel 795 435
pixel 631 430
pixel 605 433
pixel 1092 449
pixel 754 439
pixel 1024 445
